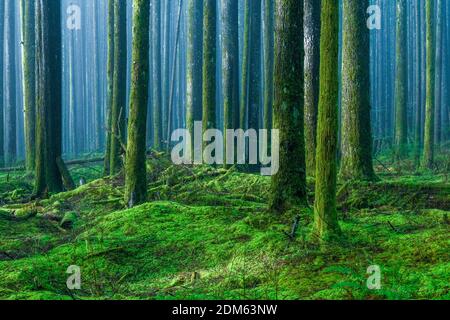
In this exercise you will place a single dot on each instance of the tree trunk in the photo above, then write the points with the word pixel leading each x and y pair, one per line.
pixel 428 153
pixel 194 66
pixel 119 86
pixel 268 62
pixel 356 161
pixel 157 88
pixel 288 186
pixel 230 64
pixel 2 33
pixel 136 172
pixel 209 63
pixel 325 212
pixel 49 75
pixel 401 87
pixel 11 108
pixel 312 64
pixel 29 82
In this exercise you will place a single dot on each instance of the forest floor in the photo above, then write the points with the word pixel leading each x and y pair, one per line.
pixel 207 234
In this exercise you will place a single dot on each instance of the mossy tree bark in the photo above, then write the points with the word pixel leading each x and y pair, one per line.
pixel 312 63
pixel 428 152
pixel 2 33
pixel 230 64
pixel 268 62
pixel 136 173
pixel 439 75
pixel 49 96
pixel 418 87
pixel 157 72
pixel 401 85
pixel 119 86
pixel 209 63
pixel 11 73
pixel 325 212
pixel 356 161
pixel 109 79
pixel 194 66
pixel 28 14
pixel 243 106
pixel 288 186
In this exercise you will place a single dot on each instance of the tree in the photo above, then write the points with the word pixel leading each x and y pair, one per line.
pixel 428 152
pixel 268 62
pixel 209 63
pixel 194 66
pixel 157 88
pixel 288 186
pixel 325 212
pixel 312 63
pixel 401 87
pixel 29 81
pixel 356 162
pixel 11 72
pixel 119 86
pixel 438 75
pixel 2 26
pixel 136 172
pixel 230 64
pixel 49 97
pixel 109 79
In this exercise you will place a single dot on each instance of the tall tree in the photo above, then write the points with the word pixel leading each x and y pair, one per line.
pixel 119 96
pixel 136 175
pixel 428 152
pixel 2 33
pixel 49 96
pixel 230 63
pixel 109 79
pixel 356 162
pixel 439 74
pixel 11 79
pixel 419 80
pixel 288 186
pixel 194 73
pixel 157 73
pixel 28 14
pixel 268 62
pixel 325 212
pixel 209 63
pixel 312 63
pixel 401 87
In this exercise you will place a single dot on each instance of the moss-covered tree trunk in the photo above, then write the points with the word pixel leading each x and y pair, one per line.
pixel 2 33
pixel 194 73
pixel 136 173
pixel 49 96
pixel 157 88
pixel 418 86
pixel 356 161
pixel 119 86
pixel 288 186
pixel 325 212
pixel 401 84
pixel 109 87
pixel 11 78
pixel 312 63
pixel 439 74
pixel 230 64
pixel 268 62
pixel 428 152
pixel 243 104
pixel 209 63
pixel 29 81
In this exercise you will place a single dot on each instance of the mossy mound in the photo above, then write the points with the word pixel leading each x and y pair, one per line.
pixel 205 233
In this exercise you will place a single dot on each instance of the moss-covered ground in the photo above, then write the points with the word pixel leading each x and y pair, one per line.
pixel 205 233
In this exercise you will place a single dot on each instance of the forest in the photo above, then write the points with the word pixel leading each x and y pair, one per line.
pixel 224 149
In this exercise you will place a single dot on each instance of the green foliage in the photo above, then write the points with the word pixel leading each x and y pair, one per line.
pixel 206 234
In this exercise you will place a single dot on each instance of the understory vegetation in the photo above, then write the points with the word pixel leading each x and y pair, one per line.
pixel 206 233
